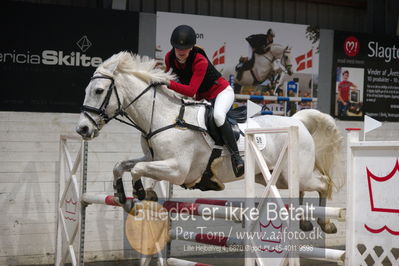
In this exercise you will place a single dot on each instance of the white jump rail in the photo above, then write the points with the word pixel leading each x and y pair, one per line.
pixel 73 201
pixel 228 210
pixel 275 98
pixel 103 199
pixel 372 228
pixel 69 212
pixel 253 156
pixel 221 210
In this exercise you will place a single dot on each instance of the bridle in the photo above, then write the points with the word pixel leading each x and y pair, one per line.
pixel 283 63
pixel 121 110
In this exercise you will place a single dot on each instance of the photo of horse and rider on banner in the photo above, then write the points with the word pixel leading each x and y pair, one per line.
pixel 257 57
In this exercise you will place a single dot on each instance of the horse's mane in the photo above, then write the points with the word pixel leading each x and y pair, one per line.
pixel 141 67
pixel 288 48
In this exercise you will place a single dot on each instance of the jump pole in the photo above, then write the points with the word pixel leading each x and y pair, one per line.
pixel 275 98
pixel 103 199
pixel 197 209
pixel 219 209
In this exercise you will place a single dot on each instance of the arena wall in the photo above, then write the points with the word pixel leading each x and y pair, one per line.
pixel 29 144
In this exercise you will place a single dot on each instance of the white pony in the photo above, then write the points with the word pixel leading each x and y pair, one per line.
pixel 271 63
pixel 128 85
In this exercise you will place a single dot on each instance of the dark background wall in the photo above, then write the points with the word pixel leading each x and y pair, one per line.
pixel 47 58
pixel 371 16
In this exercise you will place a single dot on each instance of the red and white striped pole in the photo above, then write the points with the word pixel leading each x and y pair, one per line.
pixel 210 207
pixel 102 199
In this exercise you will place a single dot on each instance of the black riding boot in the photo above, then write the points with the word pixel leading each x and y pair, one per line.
pixel 244 65
pixel 230 142
pixel 241 67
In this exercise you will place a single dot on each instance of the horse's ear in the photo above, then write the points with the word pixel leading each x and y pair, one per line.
pixel 114 61
pixel 114 65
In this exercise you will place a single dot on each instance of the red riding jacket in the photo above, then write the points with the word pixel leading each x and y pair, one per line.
pixel 199 66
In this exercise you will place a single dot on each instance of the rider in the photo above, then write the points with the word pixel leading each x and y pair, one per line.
pixel 259 44
pixel 199 78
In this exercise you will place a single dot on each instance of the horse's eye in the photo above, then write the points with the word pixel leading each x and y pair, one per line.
pixel 99 91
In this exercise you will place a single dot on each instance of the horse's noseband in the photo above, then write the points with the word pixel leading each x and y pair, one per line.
pixel 101 110
pixel 120 111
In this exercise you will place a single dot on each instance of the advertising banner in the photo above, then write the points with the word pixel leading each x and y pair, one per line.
pixel 256 57
pixel 48 53
pixel 366 76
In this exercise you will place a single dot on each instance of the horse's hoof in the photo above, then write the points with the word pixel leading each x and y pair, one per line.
pixel 328 228
pixel 140 194
pixel 208 184
pixel 306 225
pixel 121 197
pixel 128 205
pixel 151 195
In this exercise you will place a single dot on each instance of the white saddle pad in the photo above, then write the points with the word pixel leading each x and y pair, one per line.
pixel 251 123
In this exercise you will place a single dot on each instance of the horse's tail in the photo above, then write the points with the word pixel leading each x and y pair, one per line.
pixel 328 143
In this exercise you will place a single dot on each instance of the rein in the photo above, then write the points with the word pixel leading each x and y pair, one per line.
pixel 121 111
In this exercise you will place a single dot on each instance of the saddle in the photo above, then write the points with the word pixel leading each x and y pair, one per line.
pixel 234 116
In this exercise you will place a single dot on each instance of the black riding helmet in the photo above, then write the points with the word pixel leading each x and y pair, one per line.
pixel 270 32
pixel 183 37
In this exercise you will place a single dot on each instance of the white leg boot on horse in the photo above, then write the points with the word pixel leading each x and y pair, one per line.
pixel 138 189
pixel 325 223
pixel 305 225
pixel 119 191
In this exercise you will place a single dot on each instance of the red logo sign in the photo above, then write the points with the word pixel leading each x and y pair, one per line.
pixel 351 46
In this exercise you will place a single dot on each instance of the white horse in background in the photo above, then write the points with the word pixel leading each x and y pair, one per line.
pixel 129 85
pixel 266 66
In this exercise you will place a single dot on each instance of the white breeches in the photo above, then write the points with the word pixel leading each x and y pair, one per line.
pixel 223 103
pixel 250 52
